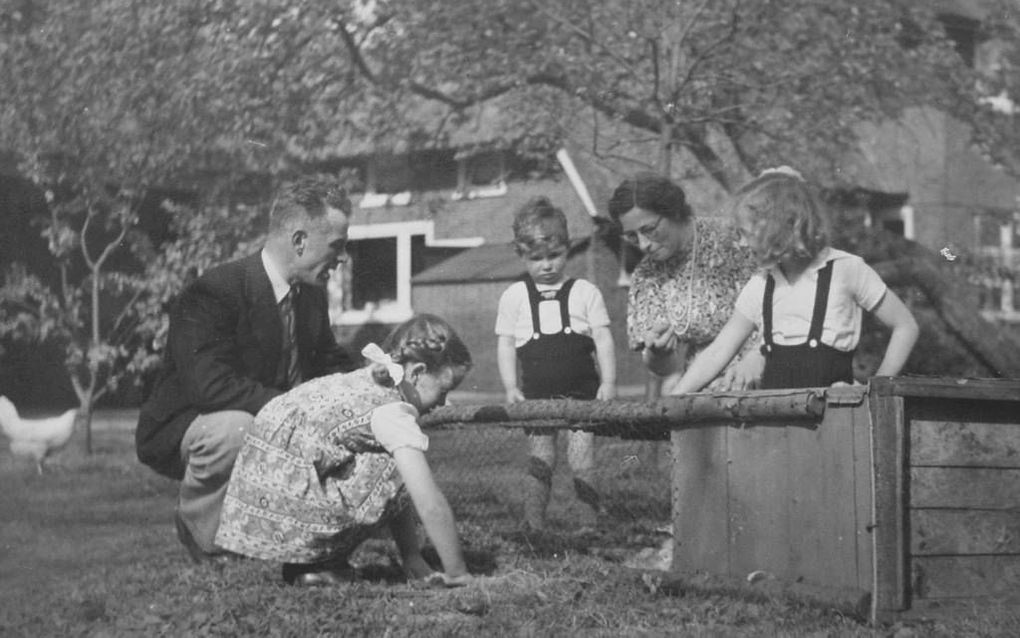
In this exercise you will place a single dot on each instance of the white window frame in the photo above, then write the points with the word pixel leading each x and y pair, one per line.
pixel 905 214
pixel 373 199
pixel 402 232
pixel 1008 255
pixel 465 190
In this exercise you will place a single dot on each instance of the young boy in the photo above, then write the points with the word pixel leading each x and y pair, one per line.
pixel 552 325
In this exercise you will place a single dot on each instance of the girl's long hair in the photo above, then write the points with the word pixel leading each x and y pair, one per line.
pixel 786 217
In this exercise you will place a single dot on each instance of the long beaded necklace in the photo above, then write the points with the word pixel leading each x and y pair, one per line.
pixel 690 282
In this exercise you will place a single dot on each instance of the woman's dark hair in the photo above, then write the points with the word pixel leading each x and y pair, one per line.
pixel 652 192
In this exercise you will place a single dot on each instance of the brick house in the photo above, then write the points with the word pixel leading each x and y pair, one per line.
pixel 445 248
pixel 431 232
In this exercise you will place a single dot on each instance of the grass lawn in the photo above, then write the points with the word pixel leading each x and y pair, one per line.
pixel 88 549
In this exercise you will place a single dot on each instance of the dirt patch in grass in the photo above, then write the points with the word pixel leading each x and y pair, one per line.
pixel 88 549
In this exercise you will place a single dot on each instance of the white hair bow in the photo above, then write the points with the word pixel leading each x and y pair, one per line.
pixel 783 170
pixel 375 354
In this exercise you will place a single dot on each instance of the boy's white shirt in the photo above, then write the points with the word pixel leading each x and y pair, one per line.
pixel 586 306
pixel 855 287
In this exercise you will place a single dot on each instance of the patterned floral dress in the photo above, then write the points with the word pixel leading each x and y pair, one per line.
pixel 695 296
pixel 312 481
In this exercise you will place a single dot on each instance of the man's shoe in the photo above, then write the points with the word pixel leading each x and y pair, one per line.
pixel 197 554
pixel 317 575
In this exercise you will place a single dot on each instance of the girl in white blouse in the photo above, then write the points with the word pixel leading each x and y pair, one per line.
pixel 808 298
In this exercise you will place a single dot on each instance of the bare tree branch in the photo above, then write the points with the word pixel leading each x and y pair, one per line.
pixel 352 47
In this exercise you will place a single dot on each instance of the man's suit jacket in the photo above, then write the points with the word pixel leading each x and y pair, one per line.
pixel 223 353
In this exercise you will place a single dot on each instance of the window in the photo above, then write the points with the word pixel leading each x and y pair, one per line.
pixel 481 175
pixel 391 180
pixel 895 220
pixel 963 32
pixel 374 284
pixel 997 263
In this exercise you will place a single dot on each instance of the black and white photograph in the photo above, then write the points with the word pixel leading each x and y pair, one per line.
pixel 588 318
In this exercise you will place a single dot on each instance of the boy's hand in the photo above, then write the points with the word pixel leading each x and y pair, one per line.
pixel 607 392
pixel 514 395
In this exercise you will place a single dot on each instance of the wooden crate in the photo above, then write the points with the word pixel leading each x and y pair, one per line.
pixel 907 489
pixel 947 466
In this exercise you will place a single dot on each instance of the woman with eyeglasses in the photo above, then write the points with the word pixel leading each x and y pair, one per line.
pixel 683 289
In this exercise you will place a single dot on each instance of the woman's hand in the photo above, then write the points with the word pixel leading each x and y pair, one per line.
pixel 660 343
pixel 514 395
pixel 661 338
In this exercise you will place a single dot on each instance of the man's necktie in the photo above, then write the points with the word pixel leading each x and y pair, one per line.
pixel 289 360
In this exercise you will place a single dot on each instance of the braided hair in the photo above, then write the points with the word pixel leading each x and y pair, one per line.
pixel 425 338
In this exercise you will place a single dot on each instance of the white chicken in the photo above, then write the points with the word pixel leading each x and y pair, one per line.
pixel 37 438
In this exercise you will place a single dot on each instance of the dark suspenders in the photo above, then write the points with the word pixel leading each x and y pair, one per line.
pixel 817 315
pixel 535 297
pixel 821 301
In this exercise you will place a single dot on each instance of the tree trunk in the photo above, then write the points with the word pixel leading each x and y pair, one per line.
pixel 86 406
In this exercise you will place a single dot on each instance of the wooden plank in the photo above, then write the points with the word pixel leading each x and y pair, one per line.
pixel 864 518
pixel 888 435
pixel 948 388
pixel 822 507
pixel 977 577
pixel 759 497
pixel 998 611
pixel 965 410
pixel 808 507
pixel 962 487
pixel 964 444
pixel 964 532
pixel 700 489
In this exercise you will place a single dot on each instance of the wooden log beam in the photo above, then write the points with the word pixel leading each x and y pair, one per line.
pixel 634 417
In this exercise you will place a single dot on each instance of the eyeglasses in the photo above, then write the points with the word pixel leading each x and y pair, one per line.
pixel 647 231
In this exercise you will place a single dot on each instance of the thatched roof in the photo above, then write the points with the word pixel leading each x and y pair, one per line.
pixel 423 125
pixel 489 262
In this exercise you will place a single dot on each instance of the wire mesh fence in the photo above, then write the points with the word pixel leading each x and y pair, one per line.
pixel 482 468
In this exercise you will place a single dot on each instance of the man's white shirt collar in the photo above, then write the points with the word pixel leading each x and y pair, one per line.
pixel 276 279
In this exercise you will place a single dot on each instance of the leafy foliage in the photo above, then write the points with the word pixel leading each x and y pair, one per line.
pixel 775 81
pixel 103 102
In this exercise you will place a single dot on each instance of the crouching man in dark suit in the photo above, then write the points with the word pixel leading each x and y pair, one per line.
pixel 241 334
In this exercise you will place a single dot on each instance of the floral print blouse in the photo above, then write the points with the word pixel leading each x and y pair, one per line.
pixel 695 296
